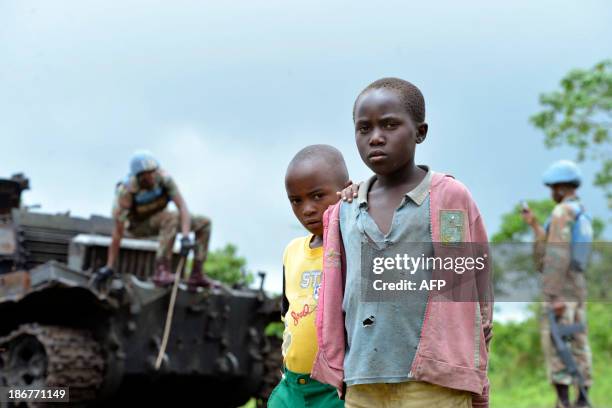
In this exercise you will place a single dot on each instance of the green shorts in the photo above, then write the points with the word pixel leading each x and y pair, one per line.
pixel 301 391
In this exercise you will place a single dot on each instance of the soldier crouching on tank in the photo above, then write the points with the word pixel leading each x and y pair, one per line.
pixel 140 211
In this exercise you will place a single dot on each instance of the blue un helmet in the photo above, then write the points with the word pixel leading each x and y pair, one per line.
pixel 142 160
pixel 562 171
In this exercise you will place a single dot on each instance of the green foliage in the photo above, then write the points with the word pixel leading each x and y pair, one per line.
pixel 516 361
pixel 275 329
pixel 513 258
pixel 598 228
pixel 251 404
pixel 514 229
pixel 598 275
pixel 580 115
pixel 225 265
pixel 516 344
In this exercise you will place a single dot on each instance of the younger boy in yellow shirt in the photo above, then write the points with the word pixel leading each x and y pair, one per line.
pixel 313 177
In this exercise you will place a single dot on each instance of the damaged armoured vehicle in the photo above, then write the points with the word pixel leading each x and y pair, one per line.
pixel 57 329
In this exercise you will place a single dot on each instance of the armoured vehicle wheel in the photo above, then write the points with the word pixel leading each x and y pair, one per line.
pixel 38 356
pixel 25 363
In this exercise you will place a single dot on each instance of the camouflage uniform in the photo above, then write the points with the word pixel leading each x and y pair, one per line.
pixel 150 218
pixel 561 283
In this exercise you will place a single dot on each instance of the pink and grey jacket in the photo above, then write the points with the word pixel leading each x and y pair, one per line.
pixel 455 336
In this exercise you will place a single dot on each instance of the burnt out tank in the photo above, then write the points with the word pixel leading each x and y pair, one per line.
pixel 57 329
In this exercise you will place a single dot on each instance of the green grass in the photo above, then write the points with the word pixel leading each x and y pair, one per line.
pixel 250 404
pixel 532 390
pixel 516 365
pixel 517 372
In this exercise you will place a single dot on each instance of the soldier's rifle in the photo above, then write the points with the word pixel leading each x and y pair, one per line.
pixel 559 334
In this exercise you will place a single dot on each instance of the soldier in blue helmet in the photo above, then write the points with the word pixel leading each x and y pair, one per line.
pixel 140 211
pixel 562 257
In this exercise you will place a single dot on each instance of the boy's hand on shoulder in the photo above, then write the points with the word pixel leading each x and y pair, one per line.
pixel 349 193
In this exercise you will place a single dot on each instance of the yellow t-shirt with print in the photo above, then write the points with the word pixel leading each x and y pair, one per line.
pixel 302 266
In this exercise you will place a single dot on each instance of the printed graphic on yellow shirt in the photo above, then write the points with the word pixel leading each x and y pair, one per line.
pixel 303 267
pixel 306 310
pixel 311 279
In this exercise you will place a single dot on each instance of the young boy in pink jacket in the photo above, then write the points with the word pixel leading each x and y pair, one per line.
pixel 417 348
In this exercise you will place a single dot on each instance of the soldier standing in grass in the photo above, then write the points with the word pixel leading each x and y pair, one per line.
pixel 563 281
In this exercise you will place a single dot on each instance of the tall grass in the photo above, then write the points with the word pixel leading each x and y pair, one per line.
pixel 517 371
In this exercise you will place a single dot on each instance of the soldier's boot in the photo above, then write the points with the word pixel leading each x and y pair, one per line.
pixel 562 396
pixel 583 400
pixel 198 278
pixel 163 276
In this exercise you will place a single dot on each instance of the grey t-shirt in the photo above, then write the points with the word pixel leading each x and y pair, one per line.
pixel 383 336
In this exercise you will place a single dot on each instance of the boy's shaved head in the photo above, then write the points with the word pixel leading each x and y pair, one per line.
pixel 324 157
pixel 314 176
pixel 410 96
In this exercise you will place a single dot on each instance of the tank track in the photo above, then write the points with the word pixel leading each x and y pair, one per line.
pixel 74 358
pixel 273 362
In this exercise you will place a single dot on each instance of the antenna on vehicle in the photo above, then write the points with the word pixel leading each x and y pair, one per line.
pixel 262 276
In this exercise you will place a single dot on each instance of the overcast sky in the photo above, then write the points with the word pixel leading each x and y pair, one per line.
pixel 224 93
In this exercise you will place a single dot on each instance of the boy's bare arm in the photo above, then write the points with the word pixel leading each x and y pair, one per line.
pixel 284 300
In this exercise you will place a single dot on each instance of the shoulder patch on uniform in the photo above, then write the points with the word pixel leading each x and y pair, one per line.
pixel 452 226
